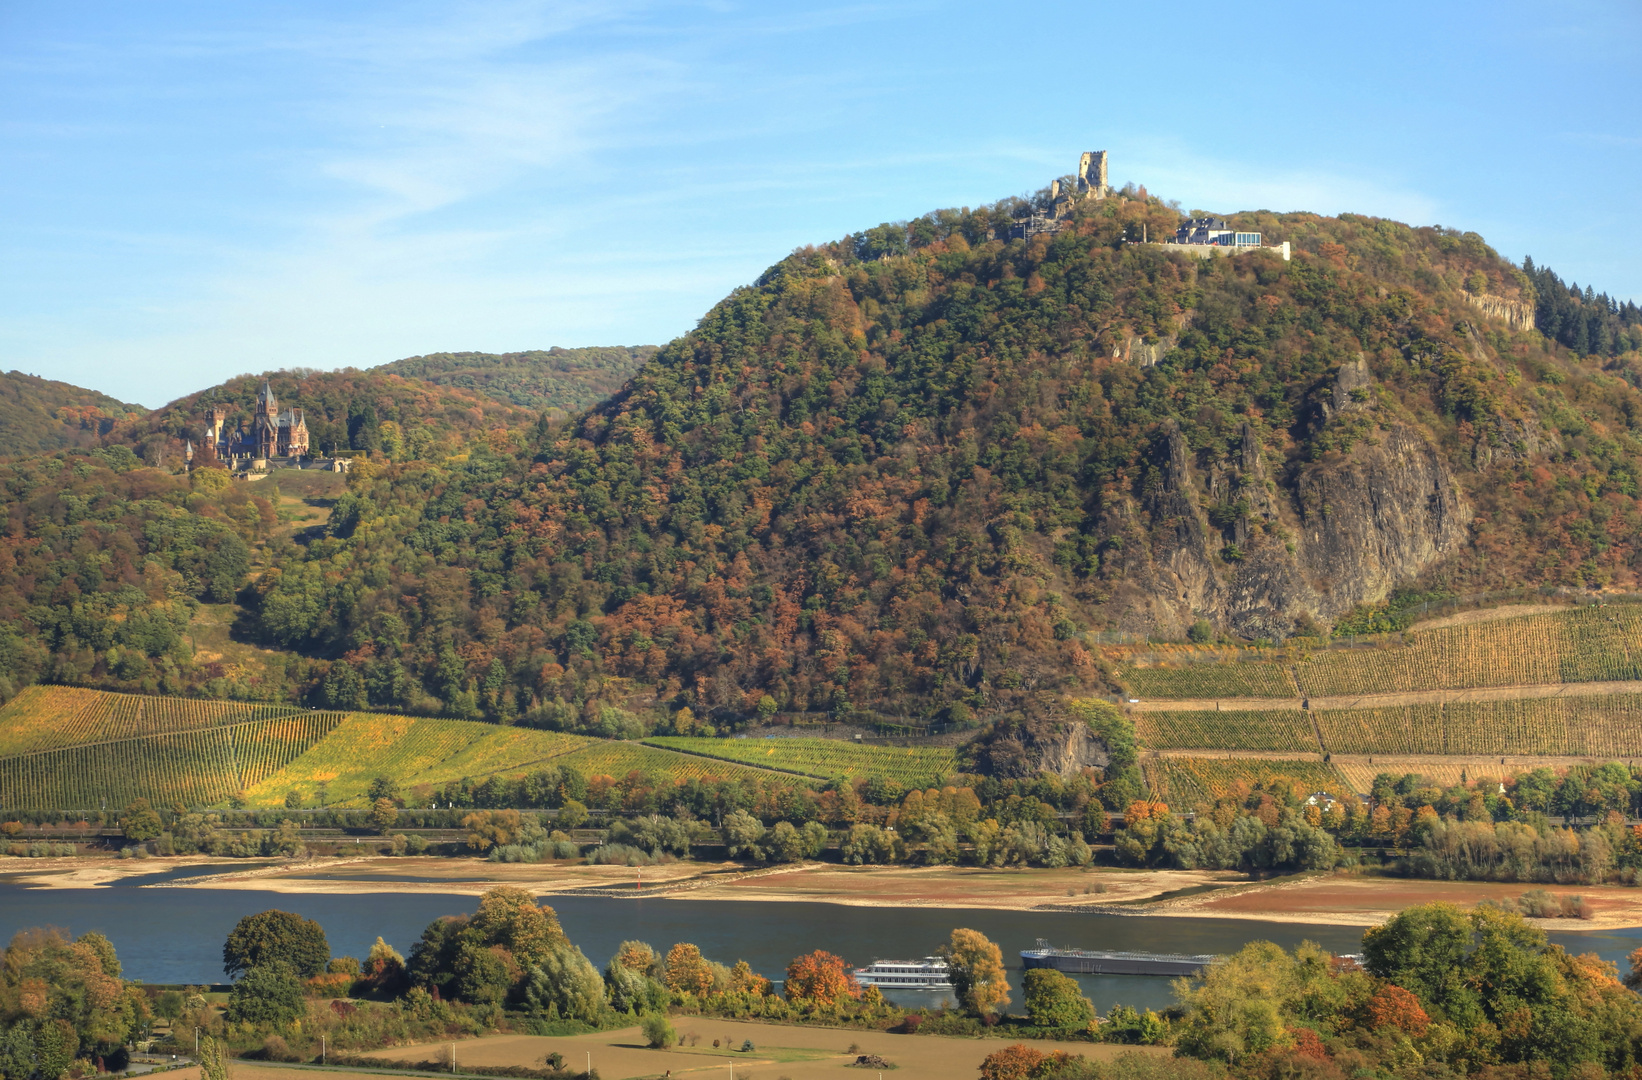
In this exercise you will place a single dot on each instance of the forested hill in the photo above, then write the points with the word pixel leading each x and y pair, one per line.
pixel 568 380
pixel 40 415
pixel 908 469
pixel 403 418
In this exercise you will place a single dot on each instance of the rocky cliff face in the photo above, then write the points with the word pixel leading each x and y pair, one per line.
pixel 1228 543
pixel 1519 314
pixel 1017 748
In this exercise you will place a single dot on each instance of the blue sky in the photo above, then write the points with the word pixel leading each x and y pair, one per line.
pixel 195 190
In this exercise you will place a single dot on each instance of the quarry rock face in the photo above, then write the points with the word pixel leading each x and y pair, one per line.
pixel 1229 544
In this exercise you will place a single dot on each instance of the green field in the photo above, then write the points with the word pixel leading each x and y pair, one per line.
pixel 411 750
pixel 827 759
pixel 74 749
pixel 617 759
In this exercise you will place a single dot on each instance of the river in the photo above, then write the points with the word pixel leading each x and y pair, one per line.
pixel 176 935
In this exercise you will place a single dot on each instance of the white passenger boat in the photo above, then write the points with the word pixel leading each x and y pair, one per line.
pixel 930 973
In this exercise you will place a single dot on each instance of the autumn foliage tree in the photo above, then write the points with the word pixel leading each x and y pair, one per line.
pixel 977 971
pixel 1392 1006
pixel 687 971
pixel 820 978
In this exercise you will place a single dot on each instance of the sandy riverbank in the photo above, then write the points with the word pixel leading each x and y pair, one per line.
pixel 1332 899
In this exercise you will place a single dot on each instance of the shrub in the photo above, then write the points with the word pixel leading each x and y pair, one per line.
pixel 621 855
pixel 658 1031
pixel 1017 1062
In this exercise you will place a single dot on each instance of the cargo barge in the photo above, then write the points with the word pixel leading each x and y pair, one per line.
pixel 1098 962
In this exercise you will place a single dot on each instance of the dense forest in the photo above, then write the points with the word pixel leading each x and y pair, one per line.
pixel 905 471
pixel 902 472
pixel 566 380
pixel 104 561
pixel 1586 321
pixel 41 415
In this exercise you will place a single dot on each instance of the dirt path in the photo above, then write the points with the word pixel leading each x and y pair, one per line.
pixel 1508 611
pixel 1379 701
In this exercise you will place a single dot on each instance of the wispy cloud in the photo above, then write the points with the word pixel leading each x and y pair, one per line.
pixel 1197 179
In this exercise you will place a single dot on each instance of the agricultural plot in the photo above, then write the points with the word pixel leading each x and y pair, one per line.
pixel 45 717
pixel 193 768
pixel 410 750
pixel 827 759
pixel 1208 729
pixel 1235 679
pixel 1587 644
pixel 1360 774
pixel 606 758
pixel 1183 782
pixel 1399 729
pixel 1605 726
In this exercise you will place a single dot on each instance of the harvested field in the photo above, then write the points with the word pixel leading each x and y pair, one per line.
pixel 801 1053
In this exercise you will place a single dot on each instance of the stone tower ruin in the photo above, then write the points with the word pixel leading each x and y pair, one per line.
pixel 1092 174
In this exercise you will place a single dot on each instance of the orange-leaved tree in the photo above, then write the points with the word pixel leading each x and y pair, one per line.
pixel 820 977
pixel 1392 1006
pixel 687 971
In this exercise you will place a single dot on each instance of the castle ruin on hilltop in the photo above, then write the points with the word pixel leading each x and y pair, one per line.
pixel 1091 183
pixel 1199 237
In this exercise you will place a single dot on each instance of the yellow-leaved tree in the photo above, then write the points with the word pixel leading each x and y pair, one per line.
pixel 978 974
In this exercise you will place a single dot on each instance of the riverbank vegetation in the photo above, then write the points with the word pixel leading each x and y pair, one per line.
pixel 1539 826
pixel 1437 993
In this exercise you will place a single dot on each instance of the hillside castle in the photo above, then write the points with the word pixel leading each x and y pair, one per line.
pixel 272 436
pixel 1202 237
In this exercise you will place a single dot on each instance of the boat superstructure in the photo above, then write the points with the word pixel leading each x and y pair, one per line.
pixel 930 973
pixel 1099 962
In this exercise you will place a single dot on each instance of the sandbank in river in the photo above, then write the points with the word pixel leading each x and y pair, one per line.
pixel 1319 898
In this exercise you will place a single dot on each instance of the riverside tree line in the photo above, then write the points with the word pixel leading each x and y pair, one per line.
pixel 1440 993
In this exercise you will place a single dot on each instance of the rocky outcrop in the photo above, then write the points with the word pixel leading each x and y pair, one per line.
pixel 1518 314
pixel 1138 351
pixel 1229 545
pixel 1183 560
pixel 1018 748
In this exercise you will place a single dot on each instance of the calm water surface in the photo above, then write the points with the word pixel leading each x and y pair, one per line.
pixel 176 935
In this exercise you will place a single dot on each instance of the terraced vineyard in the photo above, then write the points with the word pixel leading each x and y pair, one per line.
pixel 412 751
pixel 1184 782
pixel 1608 725
pixel 826 759
pixel 605 758
pixel 1585 644
pixel 1239 678
pixel 43 717
pixel 1581 644
pixel 1360 774
pixel 194 768
pixel 1203 729
pixel 1401 729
